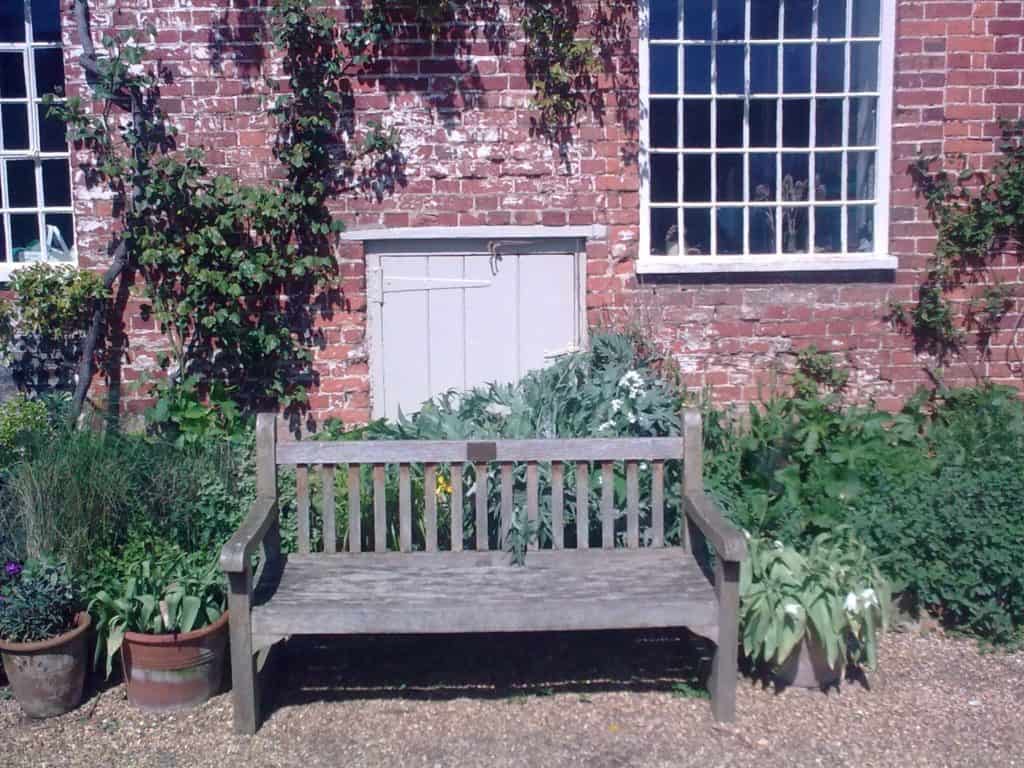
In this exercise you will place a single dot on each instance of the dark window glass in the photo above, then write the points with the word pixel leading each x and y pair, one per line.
pixel 664 178
pixel 796 122
pixel 696 231
pixel 52 132
pixel 697 68
pixel 764 69
pixel 664 69
pixel 731 19
pixel 730 123
pixel 796 68
pixel 832 18
pixel 798 18
pixel 12 21
pixel 49 71
pixel 14 120
pixel 763 117
pixel 25 236
pixel 831 64
pixel 729 183
pixel 828 129
pixel 866 16
pixel 696 123
pixel 46 21
pixel 697 19
pixel 697 178
pixel 21 183
pixel 12 75
pixel 664 123
pixel 764 19
pixel 56 183
pixel 665 231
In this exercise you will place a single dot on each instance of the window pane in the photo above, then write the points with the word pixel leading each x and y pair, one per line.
pixel 763 116
pixel 730 230
pixel 798 18
pixel 60 236
pixel 796 122
pixel 25 237
pixel 828 175
pixel 764 69
pixel 12 21
pixel 828 128
pixel 14 121
pixel 762 176
pixel 863 120
pixel 697 178
pixel 866 16
pixel 21 184
pixel 49 71
pixel 664 19
pixel 794 230
pixel 3 241
pixel 764 20
pixel 730 123
pixel 12 75
pixel 696 123
pixel 696 231
pixel 664 231
pixel 731 22
pixel 860 171
pixel 831 64
pixel 864 66
pixel 52 132
pixel 664 69
pixel 664 123
pixel 46 21
pixel 832 19
pixel 860 228
pixel 56 183
pixel 796 68
pixel 664 178
pixel 697 68
pixel 697 19
pixel 730 69
pixel 762 230
pixel 828 229
pixel 795 170
pixel 730 178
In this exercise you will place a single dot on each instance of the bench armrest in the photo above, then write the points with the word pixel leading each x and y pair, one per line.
pixel 236 555
pixel 727 540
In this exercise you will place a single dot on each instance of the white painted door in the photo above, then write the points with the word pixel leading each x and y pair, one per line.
pixel 453 314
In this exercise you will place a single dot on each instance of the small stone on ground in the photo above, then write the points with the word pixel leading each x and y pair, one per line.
pixel 608 699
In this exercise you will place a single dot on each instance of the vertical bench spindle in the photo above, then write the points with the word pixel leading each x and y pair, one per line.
pixel 456 524
pixel 404 509
pixel 531 499
pixel 506 503
pixel 329 511
pixel 607 505
pixel 380 522
pixel 557 503
pixel 658 503
pixel 582 505
pixel 430 505
pixel 355 510
pixel 632 505
pixel 302 506
pixel 481 506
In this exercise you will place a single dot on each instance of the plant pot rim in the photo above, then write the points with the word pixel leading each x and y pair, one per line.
pixel 142 638
pixel 82 623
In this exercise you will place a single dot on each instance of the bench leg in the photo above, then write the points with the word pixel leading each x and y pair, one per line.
pixel 244 688
pixel 724 669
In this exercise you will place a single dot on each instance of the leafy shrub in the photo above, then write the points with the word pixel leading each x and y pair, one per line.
pixel 37 603
pixel 21 419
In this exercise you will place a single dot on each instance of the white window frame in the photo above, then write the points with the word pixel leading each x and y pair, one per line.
pixel 27 48
pixel 879 259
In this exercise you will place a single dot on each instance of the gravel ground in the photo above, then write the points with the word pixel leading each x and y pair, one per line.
pixel 610 699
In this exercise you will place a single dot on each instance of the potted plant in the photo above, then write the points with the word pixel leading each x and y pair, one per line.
pixel 809 615
pixel 43 637
pixel 167 616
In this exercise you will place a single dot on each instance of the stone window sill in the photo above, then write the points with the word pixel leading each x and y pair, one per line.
pixel 704 265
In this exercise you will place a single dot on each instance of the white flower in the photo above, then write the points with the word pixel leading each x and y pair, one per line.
pixel 869 597
pixel 793 609
pixel 632 418
pixel 606 426
pixel 746 533
pixel 778 544
pixel 633 382
pixel 498 410
pixel 643 466
pixel 851 603
pixel 616 405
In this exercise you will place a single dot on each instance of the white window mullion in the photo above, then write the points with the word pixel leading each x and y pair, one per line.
pixel 681 114
pixel 844 211
pixel 812 175
pixel 779 202
pixel 713 212
pixel 747 53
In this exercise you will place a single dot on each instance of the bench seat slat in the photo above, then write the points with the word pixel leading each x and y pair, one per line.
pixel 482 592
pixel 445 451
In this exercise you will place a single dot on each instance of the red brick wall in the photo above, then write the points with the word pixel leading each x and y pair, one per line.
pixel 463 110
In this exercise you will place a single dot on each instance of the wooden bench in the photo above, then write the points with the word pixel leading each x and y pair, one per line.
pixel 563 586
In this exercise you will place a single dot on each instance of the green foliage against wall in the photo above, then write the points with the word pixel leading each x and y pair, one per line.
pixel 977 217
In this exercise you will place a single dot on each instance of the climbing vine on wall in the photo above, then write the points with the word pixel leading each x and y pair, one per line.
pixel 234 274
pixel 978 217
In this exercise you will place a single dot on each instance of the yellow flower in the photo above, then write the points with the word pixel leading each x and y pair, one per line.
pixel 444 488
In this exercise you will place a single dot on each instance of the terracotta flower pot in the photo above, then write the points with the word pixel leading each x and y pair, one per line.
pixel 171 672
pixel 48 676
pixel 807 666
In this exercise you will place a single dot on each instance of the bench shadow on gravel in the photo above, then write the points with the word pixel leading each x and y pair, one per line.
pixel 493 666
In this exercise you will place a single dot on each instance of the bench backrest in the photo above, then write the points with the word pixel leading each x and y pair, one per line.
pixel 528 464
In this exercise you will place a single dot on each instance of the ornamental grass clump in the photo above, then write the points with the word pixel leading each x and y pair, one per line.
pixel 37 602
pixel 832 593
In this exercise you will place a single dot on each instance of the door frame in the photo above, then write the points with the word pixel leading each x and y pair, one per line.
pixel 374 250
